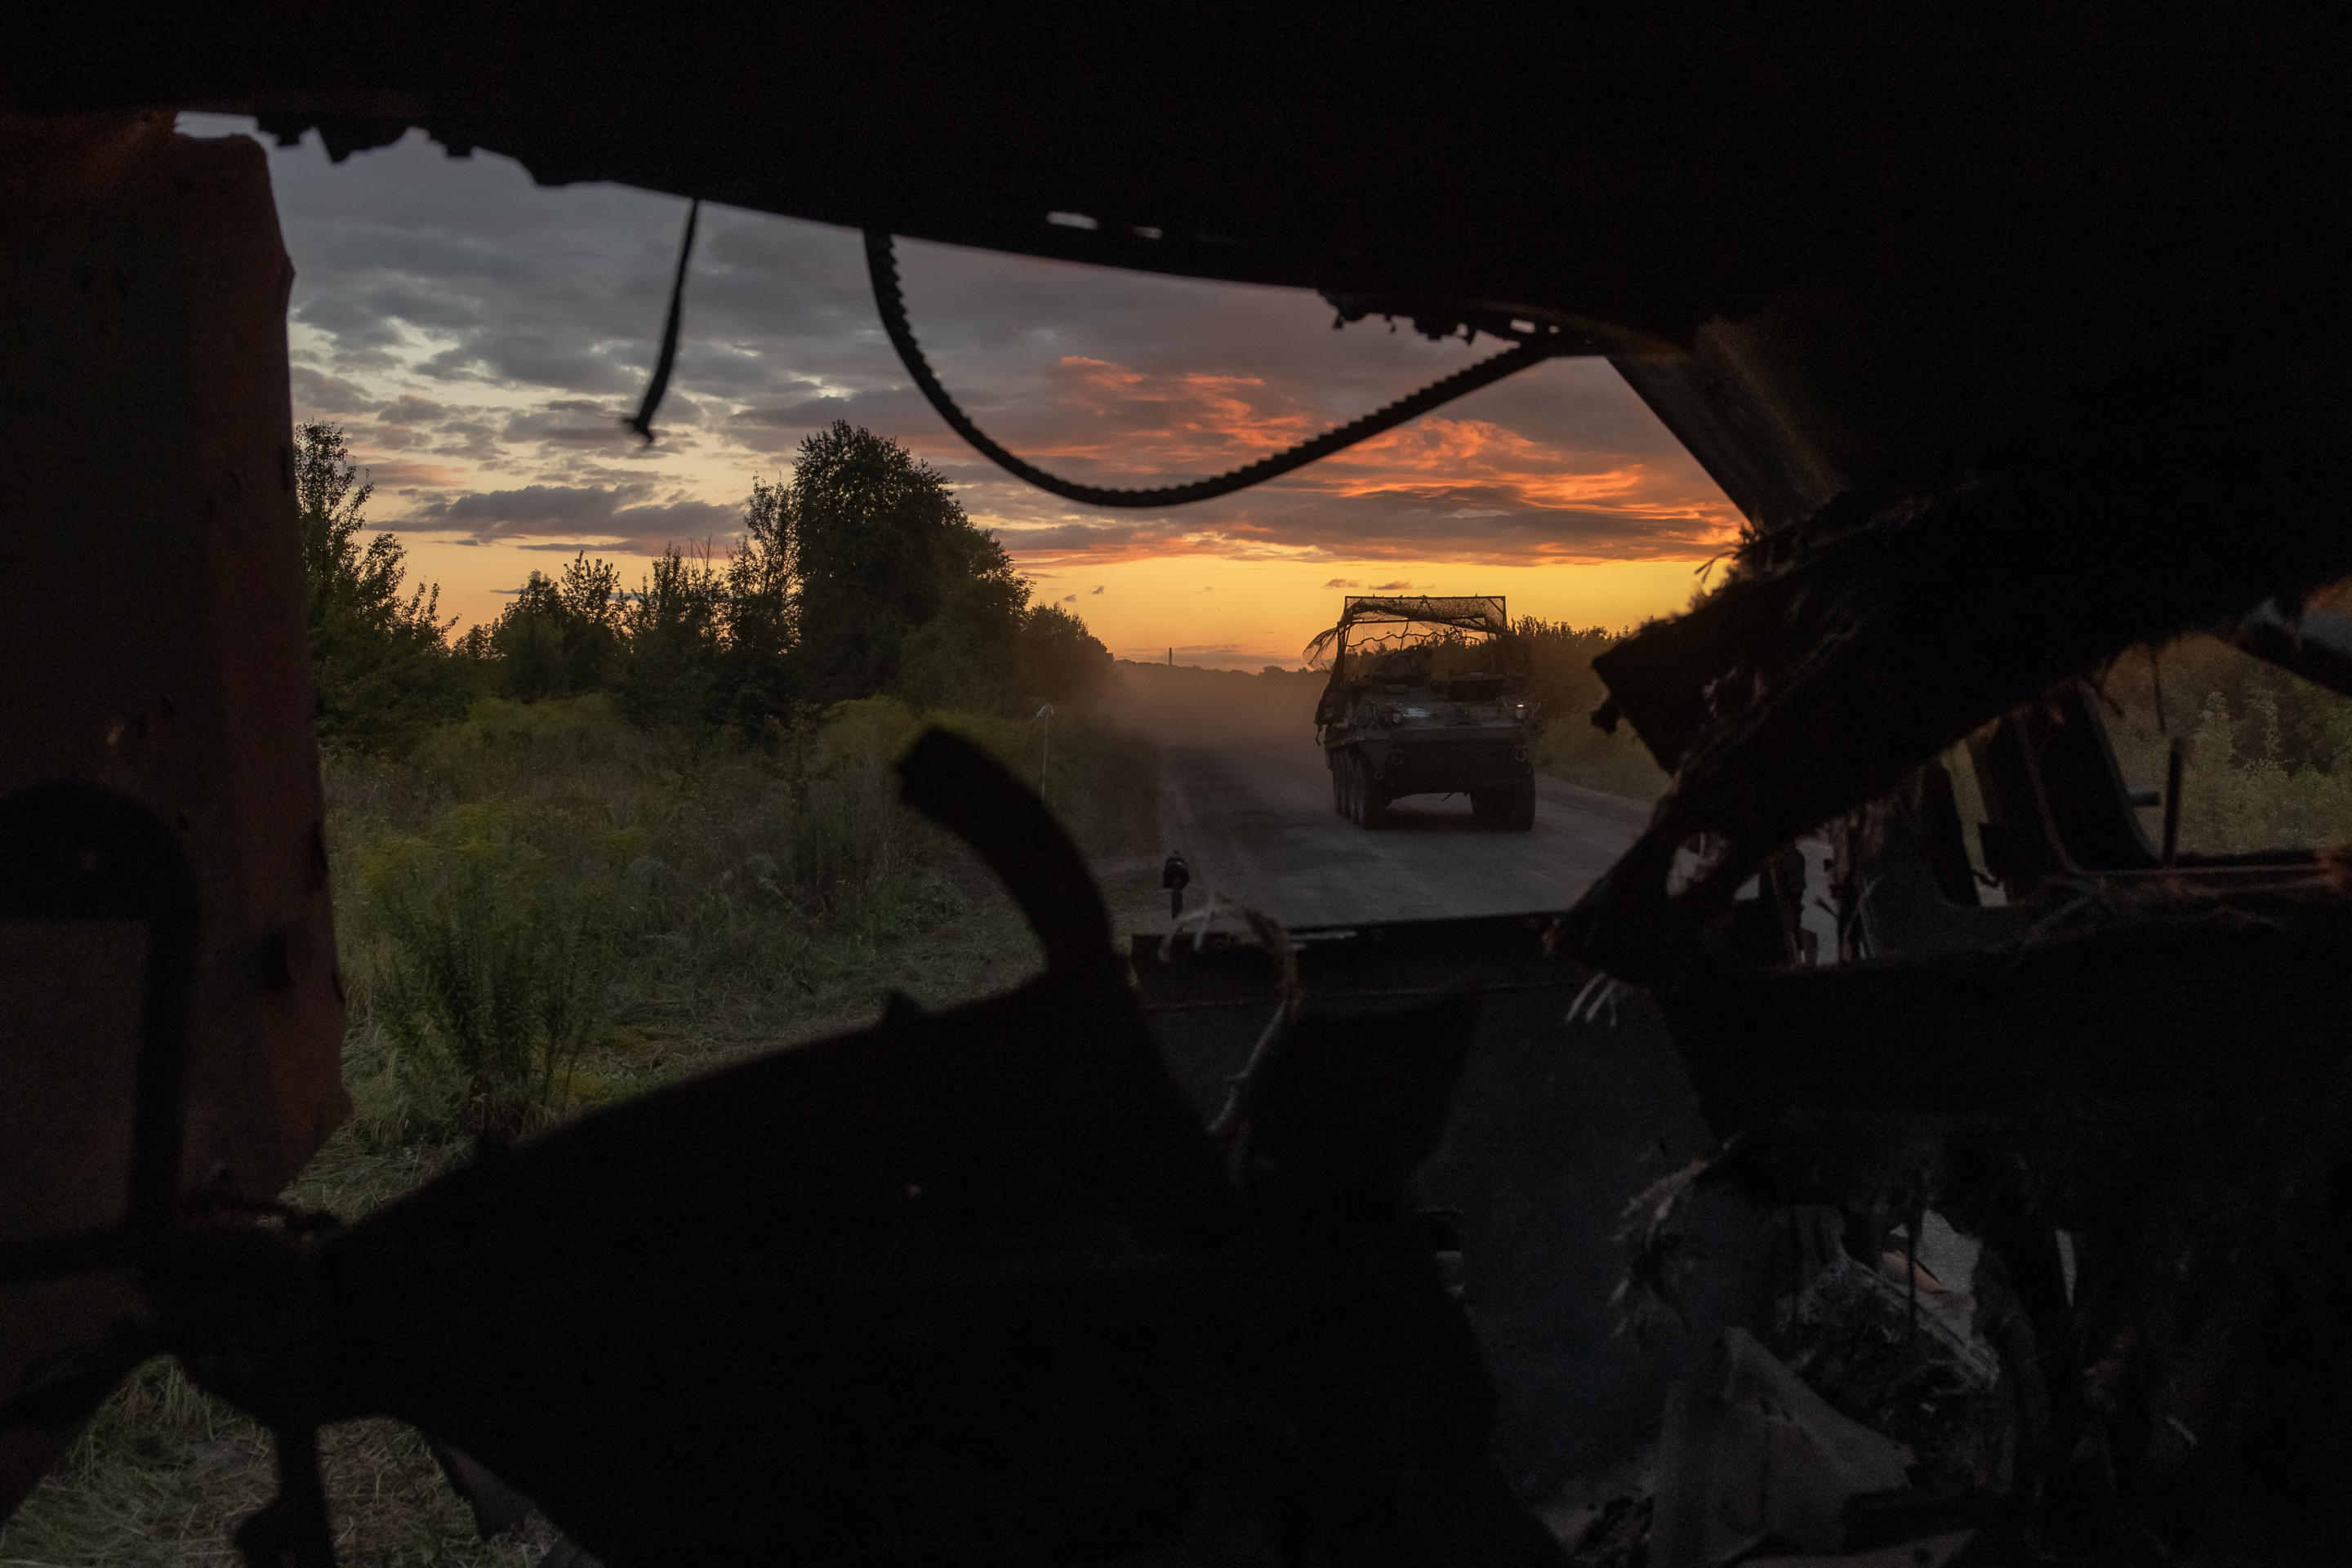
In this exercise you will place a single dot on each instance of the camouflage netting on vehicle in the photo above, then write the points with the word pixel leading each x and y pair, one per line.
pixel 1374 624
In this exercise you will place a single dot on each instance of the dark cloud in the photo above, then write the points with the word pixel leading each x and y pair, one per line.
pixel 532 506
pixel 498 330
pixel 1343 583
pixel 316 393
pixel 410 409
pixel 1096 589
pixel 620 515
pixel 568 422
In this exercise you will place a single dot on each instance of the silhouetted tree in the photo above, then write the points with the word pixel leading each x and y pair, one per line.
pixel 378 660
pixel 561 635
pixel 671 632
pixel 878 547
pixel 859 574
pixel 759 617
pixel 1060 661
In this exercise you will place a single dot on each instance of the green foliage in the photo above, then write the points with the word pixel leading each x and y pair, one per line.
pixel 1059 660
pixel 758 621
pixel 672 632
pixel 563 636
pixel 861 575
pixel 1562 682
pixel 880 546
pixel 662 881
pixel 2267 756
pixel 492 980
pixel 378 661
pixel 1100 781
pixel 943 663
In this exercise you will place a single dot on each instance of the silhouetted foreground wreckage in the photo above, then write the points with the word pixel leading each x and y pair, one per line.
pixel 2019 343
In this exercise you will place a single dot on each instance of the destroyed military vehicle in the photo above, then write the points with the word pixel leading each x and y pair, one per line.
pixel 1622 1232
pixel 1430 700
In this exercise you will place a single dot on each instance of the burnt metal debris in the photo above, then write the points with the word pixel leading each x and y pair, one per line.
pixel 2017 339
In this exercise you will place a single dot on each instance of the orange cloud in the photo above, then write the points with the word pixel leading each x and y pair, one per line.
pixel 1467 487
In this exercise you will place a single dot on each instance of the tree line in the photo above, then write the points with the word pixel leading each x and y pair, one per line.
pixel 857 574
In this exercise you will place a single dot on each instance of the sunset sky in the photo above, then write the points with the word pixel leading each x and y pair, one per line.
pixel 479 338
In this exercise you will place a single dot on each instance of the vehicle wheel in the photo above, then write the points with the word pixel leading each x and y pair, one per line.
pixel 1519 810
pixel 1486 808
pixel 1338 784
pixel 1348 785
pixel 1371 806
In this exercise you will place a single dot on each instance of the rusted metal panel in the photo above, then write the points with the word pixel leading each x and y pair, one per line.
pixel 152 640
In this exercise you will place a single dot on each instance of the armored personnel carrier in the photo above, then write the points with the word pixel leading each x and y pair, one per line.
pixel 1427 696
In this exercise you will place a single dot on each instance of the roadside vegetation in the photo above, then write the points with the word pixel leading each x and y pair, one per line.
pixel 617 836
pixel 1572 747
pixel 2266 755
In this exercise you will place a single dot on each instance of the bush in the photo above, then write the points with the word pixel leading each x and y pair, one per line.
pixel 1564 685
pixel 563 636
pixel 380 668
pixel 1058 659
pixel 2267 757
pixel 493 979
pixel 543 875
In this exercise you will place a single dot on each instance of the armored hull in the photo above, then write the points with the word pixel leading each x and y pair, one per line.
pixel 1393 742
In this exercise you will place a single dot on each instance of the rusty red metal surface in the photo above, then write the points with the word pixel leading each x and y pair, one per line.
pixel 152 640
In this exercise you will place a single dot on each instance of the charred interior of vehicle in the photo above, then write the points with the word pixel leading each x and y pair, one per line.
pixel 2001 1219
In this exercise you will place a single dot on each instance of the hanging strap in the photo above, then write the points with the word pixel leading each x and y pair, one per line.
pixel 643 423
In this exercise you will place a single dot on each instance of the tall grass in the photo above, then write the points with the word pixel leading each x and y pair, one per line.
pixel 539 908
pixel 531 886
pixel 164 1471
pixel 492 979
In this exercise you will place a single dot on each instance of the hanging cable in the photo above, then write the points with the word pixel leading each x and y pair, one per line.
pixel 643 423
pixel 882 264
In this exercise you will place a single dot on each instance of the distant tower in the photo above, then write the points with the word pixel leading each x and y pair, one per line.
pixel 1172 658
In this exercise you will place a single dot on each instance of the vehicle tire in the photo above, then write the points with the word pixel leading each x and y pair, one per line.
pixel 1371 806
pixel 1486 808
pixel 1518 814
pixel 1339 781
pixel 1348 787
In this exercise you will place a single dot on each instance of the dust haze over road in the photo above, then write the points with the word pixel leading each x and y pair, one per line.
pixel 1245 798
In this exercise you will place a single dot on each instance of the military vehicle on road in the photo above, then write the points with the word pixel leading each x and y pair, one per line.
pixel 1427 696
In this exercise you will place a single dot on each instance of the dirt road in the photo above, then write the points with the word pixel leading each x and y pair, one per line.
pixel 1254 821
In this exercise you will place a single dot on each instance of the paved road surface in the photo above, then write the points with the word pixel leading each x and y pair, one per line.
pixel 1554 1125
pixel 1256 822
